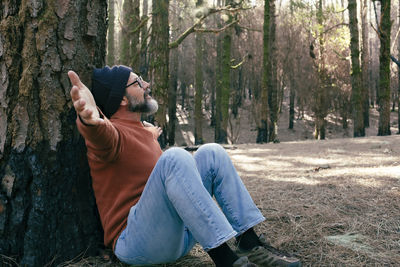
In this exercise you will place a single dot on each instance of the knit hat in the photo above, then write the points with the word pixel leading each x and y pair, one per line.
pixel 108 87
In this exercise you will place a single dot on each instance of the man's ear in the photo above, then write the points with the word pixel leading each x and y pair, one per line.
pixel 124 101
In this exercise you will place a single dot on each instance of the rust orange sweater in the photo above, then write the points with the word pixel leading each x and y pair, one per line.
pixel 121 155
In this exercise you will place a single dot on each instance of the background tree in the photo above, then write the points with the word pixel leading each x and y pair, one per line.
pixel 272 77
pixel 384 69
pixel 130 32
pixel 111 33
pixel 365 89
pixel 262 135
pixel 159 63
pixel 199 81
pixel 356 85
pixel 47 209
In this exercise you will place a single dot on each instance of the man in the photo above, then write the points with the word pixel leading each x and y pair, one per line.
pixel 154 206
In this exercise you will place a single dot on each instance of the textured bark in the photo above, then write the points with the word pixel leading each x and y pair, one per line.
pixel 365 61
pixel 129 50
pixel 220 134
pixel 111 33
pixel 143 59
pixel 173 87
pixel 357 99
pixel 384 70
pixel 273 101
pixel 320 98
pixel 262 131
pixel 199 81
pixel 159 63
pixel 47 208
pixel 398 86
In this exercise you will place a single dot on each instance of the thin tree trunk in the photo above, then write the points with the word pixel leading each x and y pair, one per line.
pixel 159 64
pixel 272 78
pixel 143 60
pixel 173 86
pixel 47 208
pixel 384 70
pixel 262 131
pixel 199 82
pixel 398 86
pixel 365 62
pixel 357 98
pixel 111 33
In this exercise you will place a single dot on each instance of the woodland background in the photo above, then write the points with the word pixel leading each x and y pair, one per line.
pixel 231 67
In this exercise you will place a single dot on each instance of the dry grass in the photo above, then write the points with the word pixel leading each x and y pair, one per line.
pixel 333 203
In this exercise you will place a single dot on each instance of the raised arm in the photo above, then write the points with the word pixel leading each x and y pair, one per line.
pixel 102 138
pixel 83 101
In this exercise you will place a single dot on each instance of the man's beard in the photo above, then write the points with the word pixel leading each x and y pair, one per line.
pixel 148 106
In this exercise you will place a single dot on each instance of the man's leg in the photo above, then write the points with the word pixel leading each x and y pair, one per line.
pixel 174 197
pixel 221 180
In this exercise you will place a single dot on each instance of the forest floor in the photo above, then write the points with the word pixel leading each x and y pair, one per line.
pixel 334 202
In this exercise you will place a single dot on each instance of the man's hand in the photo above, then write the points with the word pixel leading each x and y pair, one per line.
pixel 156 131
pixel 83 100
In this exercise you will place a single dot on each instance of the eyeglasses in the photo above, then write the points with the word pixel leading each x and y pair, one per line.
pixel 138 80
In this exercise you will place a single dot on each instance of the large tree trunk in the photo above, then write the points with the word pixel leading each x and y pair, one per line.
pixel 47 208
pixel 262 131
pixel 111 33
pixel 356 97
pixel 384 70
pixel 159 63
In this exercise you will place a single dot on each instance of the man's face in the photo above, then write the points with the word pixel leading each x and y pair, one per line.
pixel 137 93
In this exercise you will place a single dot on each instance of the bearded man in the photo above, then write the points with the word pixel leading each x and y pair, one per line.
pixel 154 206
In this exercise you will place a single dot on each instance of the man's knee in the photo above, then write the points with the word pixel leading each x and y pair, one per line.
pixel 212 148
pixel 176 154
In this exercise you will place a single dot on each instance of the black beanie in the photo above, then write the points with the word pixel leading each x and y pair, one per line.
pixel 108 87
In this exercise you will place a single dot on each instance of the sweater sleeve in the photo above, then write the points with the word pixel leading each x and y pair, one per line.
pixel 102 140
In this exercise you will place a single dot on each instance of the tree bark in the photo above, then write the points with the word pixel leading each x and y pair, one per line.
pixel 129 52
pixel 111 33
pixel 47 208
pixel 357 97
pixel 143 59
pixel 199 82
pixel 159 63
pixel 262 131
pixel 384 70
pixel 272 78
pixel 365 62
pixel 398 71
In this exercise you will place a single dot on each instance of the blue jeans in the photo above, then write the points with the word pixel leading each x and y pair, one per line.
pixel 176 209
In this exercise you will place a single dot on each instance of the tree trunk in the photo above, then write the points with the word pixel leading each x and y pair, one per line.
pixel 159 63
pixel 357 97
pixel 398 86
pixel 143 59
pixel 129 52
pixel 111 33
pixel 320 102
pixel 47 208
pixel 365 62
pixel 173 86
pixel 262 131
pixel 272 78
pixel 199 81
pixel 223 80
pixel 384 70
